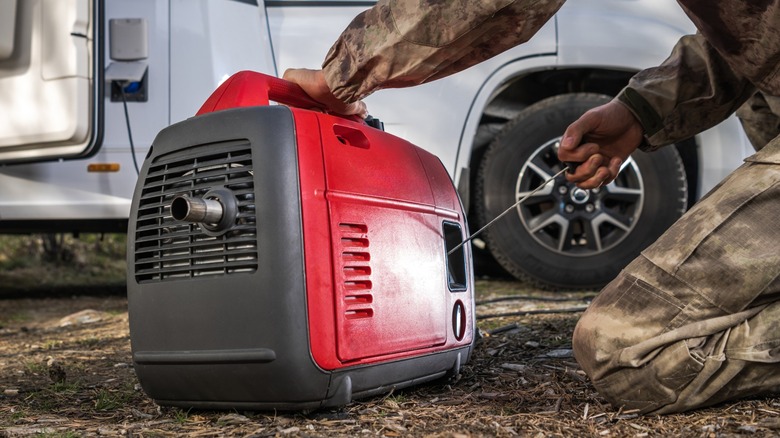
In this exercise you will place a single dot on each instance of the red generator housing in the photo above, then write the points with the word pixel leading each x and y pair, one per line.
pixel 284 258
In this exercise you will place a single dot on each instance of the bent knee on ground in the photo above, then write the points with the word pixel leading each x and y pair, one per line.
pixel 614 343
pixel 618 319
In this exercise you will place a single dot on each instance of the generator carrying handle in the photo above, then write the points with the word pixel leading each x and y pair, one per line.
pixel 251 88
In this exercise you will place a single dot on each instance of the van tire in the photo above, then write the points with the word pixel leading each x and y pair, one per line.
pixel 586 244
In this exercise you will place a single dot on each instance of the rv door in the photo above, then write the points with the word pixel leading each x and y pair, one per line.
pixel 49 87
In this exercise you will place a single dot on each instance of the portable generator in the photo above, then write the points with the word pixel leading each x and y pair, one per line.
pixel 284 258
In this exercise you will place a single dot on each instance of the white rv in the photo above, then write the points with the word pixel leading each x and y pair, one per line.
pixel 80 78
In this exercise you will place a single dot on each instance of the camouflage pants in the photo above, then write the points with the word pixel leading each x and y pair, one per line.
pixel 695 320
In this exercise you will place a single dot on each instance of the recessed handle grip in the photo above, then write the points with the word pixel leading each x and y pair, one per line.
pixel 251 88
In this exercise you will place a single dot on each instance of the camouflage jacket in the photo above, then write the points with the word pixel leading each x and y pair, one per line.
pixel 400 43
pixel 711 74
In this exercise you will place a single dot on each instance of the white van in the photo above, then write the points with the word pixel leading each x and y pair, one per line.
pixel 65 130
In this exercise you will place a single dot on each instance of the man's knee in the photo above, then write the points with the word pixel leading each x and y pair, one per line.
pixel 634 307
pixel 614 344
pixel 587 343
pixel 602 331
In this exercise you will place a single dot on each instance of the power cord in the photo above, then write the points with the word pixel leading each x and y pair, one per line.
pixel 122 86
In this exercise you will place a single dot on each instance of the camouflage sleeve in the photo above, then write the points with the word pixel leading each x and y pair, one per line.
pixel 760 118
pixel 693 90
pixel 401 43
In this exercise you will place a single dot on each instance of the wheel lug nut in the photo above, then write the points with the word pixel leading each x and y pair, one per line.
pixel 596 190
pixel 563 190
pixel 589 208
pixel 569 208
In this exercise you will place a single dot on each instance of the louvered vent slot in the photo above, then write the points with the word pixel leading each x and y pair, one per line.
pixel 167 249
pixel 356 270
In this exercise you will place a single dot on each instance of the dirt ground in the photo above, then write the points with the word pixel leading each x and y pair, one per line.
pixel 66 371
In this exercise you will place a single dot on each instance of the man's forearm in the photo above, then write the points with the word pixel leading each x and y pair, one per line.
pixel 401 43
pixel 693 90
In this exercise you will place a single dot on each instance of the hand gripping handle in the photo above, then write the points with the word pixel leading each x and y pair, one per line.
pixel 571 166
pixel 288 93
pixel 250 88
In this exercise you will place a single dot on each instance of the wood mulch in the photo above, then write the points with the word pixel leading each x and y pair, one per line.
pixel 66 371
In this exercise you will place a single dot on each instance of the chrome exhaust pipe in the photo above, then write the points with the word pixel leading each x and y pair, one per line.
pixel 215 211
pixel 200 210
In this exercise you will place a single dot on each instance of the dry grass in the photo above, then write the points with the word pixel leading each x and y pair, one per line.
pixel 62 380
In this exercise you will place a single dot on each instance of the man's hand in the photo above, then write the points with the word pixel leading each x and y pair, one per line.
pixel 313 83
pixel 602 139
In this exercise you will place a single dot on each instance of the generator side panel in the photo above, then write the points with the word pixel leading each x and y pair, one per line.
pixel 400 311
pixel 391 294
pixel 219 318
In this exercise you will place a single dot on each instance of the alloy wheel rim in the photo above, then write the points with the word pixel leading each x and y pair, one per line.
pixel 575 222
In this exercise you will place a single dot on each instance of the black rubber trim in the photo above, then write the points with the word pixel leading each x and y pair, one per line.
pixel 201 357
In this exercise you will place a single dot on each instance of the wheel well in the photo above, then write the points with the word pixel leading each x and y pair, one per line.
pixel 525 90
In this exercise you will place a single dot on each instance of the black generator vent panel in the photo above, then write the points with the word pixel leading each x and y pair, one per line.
pixel 167 249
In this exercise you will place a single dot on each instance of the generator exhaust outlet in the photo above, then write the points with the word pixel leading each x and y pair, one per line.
pixel 215 211
pixel 184 208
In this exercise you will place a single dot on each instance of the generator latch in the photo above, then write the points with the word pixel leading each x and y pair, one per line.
pixel 374 123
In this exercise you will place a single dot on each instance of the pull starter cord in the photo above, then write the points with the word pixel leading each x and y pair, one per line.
pixel 511 207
